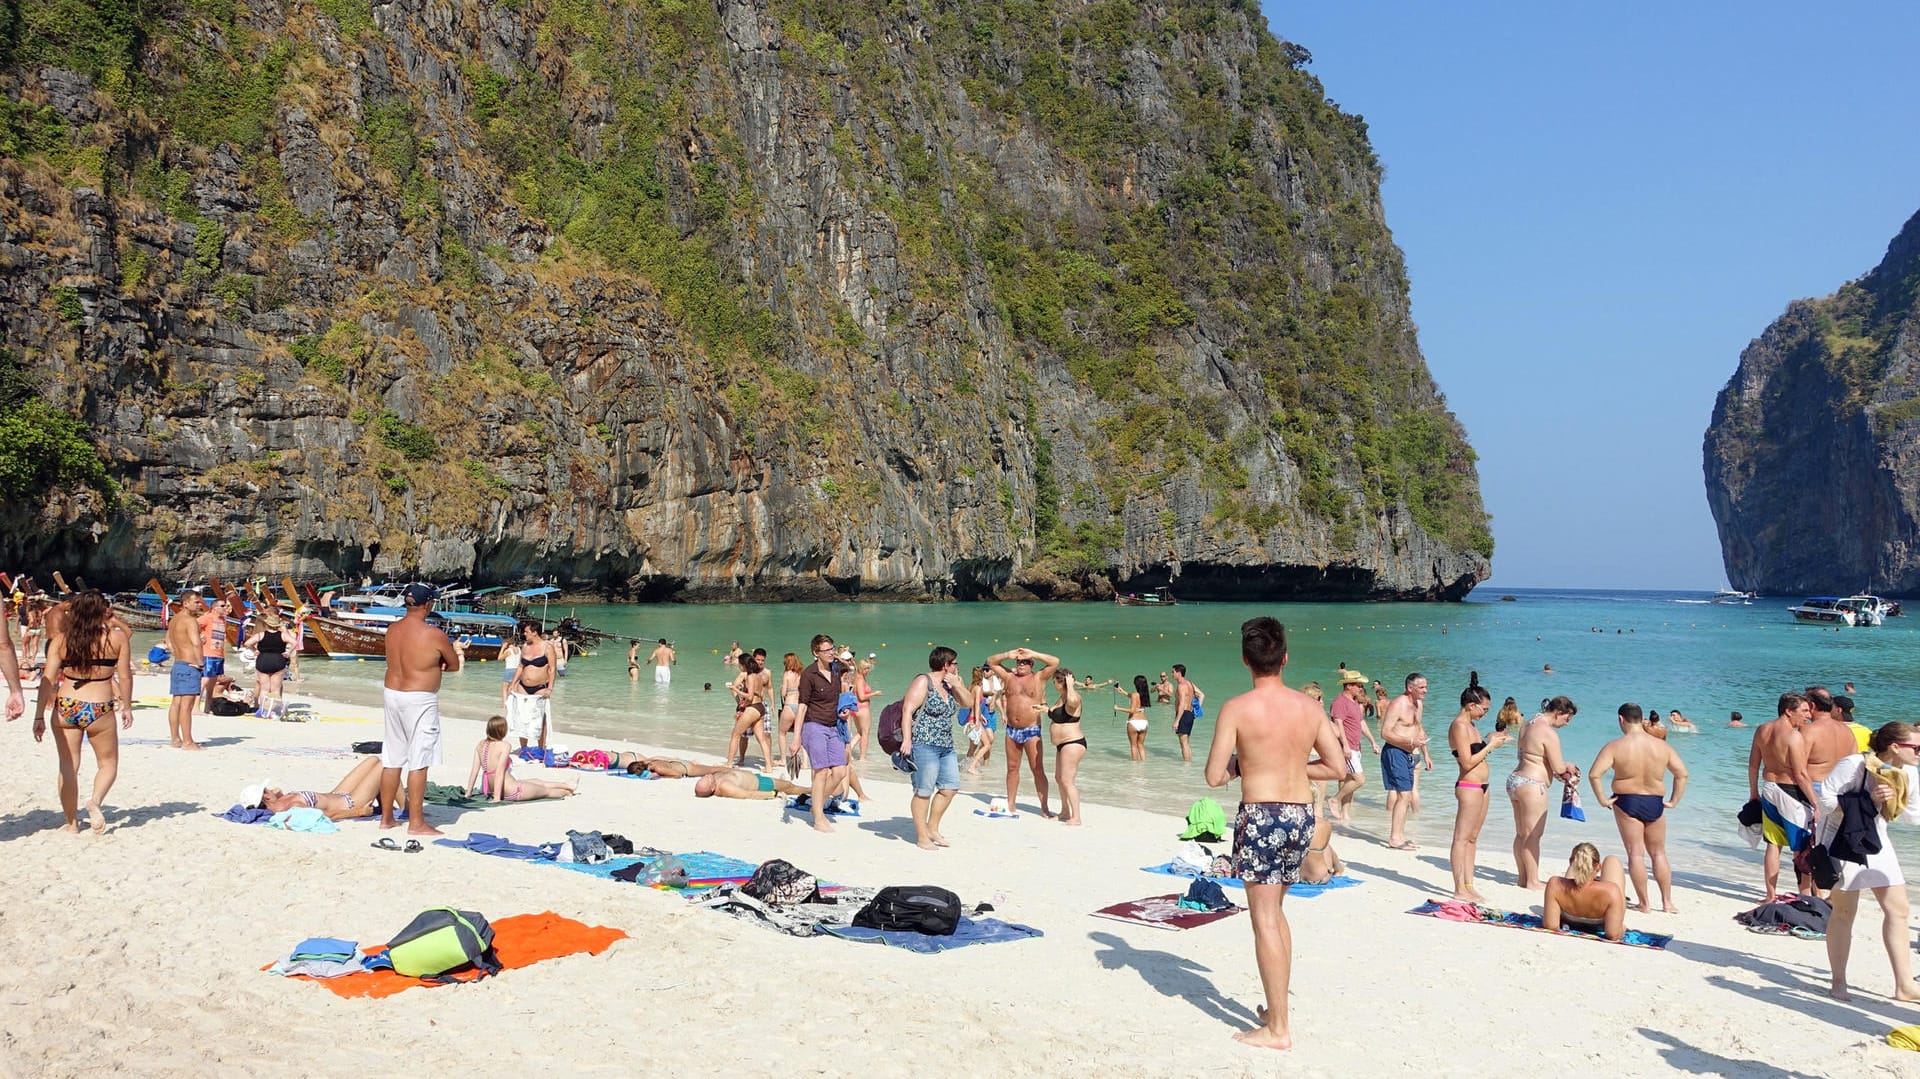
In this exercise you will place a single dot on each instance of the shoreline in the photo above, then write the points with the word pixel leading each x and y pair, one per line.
pixel 151 936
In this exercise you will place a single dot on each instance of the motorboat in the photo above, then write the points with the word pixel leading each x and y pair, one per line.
pixel 1734 596
pixel 1868 610
pixel 1823 609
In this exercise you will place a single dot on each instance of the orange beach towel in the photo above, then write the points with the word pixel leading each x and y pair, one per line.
pixel 520 940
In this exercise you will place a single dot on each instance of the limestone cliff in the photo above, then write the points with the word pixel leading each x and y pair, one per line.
pixel 700 300
pixel 1813 455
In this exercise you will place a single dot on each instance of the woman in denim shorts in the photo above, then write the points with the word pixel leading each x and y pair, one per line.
pixel 927 716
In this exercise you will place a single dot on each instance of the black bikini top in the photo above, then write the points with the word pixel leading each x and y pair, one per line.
pixel 1472 749
pixel 539 662
pixel 1058 714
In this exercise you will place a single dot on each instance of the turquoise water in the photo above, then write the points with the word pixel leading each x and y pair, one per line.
pixel 1653 648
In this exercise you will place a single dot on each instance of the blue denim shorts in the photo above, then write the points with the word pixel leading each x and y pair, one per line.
pixel 935 768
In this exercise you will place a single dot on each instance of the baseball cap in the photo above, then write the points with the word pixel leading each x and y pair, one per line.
pixel 418 595
pixel 252 794
pixel 846 653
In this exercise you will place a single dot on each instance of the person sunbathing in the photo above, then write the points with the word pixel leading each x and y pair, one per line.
pixel 639 764
pixel 353 797
pixel 1592 896
pixel 1321 863
pixel 493 768
pixel 742 783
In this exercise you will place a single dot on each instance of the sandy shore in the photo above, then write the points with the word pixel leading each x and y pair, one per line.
pixel 138 951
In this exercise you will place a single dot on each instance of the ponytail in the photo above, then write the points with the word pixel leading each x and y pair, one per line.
pixel 1584 865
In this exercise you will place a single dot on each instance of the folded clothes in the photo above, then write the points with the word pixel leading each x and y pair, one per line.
pixel 969 931
pixel 482 843
pixel 240 814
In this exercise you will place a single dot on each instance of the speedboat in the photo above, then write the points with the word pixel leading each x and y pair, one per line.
pixel 1826 609
pixel 1734 595
pixel 1868 610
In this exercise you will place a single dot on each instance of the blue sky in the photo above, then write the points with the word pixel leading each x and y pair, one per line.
pixel 1600 206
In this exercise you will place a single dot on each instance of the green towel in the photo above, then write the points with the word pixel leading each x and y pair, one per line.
pixel 1206 818
pixel 440 794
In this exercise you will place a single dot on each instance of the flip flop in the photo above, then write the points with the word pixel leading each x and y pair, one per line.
pixel 386 842
pixel 1405 844
pixel 413 846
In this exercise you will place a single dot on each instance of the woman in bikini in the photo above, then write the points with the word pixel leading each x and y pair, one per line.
pixel 1136 710
pixel 493 769
pixel 1470 790
pixel 1592 896
pixel 92 678
pixel 789 705
pixel 530 694
pixel 1540 763
pixel 980 730
pixel 749 703
pixel 353 797
pixel 863 718
pixel 1069 744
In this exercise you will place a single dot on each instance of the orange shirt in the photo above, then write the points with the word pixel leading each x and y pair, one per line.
pixel 213 634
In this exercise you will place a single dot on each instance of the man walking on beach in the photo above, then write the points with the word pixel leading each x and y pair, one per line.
pixel 183 678
pixel 1263 737
pixel 417 655
pixel 826 753
pixel 1640 763
pixel 1026 690
pixel 1778 778
pixel 1350 711
pixel 1185 696
pixel 1400 729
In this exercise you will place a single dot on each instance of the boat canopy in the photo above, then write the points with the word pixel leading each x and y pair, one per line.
pixel 489 591
pixel 544 590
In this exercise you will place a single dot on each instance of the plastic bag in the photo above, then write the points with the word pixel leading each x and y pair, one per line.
pixel 668 872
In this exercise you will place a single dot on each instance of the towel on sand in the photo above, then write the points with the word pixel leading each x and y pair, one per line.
pixel 1163 912
pixel 1170 869
pixel 970 931
pixel 440 794
pixel 482 843
pixel 520 940
pixel 1453 911
pixel 705 869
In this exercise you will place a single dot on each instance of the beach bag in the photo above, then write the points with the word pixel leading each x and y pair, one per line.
pixel 1206 821
pixel 443 940
pixel 1570 804
pixel 890 720
pixel 779 883
pixel 367 747
pixel 592 758
pixel 1821 867
pixel 918 908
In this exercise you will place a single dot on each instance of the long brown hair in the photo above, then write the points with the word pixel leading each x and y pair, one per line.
pixel 84 645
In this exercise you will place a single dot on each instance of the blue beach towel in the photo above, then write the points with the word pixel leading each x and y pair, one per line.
pixel 1304 890
pixel 970 931
pixel 995 816
pixel 1167 869
pixel 482 843
pixel 1633 938
pixel 240 814
pixel 701 865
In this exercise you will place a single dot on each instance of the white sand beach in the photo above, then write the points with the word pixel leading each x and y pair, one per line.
pixel 138 952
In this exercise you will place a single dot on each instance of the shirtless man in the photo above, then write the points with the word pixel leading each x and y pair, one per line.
pixel 1026 700
pixel 417 655
pixel 183 681
pixel 1263 737
pixel 662 660
pixel 1777 776
pixel 10 669
pixel 741 783
pixel 1401 731
pixel 1185 695
pixel 1640 764
pixel 1829 739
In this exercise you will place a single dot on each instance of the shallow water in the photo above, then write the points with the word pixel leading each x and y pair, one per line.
pixel 1653 648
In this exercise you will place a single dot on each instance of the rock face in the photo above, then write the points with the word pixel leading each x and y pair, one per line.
pixel 734 300
pixel 1813 455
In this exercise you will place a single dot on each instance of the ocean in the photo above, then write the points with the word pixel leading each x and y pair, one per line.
pixel 1662 650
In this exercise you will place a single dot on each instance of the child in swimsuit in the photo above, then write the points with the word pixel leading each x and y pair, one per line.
pixel 492 772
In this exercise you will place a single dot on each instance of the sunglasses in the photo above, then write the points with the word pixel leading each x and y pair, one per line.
pixel 1909 745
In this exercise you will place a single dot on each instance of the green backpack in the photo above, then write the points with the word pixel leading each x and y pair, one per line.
pixel 1206 821
pixel 442 940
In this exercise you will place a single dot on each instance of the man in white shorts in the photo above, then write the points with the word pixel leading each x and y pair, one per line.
pixel 1350 711
pixel 662 660
pixel 417 655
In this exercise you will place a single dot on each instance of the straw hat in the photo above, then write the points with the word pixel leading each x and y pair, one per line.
pixel 1353 678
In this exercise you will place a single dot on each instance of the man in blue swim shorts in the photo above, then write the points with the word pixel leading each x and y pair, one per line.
pixel 1400 729
pixel 184 681
pixel 1026 700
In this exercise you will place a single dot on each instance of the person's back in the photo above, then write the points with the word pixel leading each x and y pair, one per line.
pixel 1829 742
pixel 1275 728
pixel 417 654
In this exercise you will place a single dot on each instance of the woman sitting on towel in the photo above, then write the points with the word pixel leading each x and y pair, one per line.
pixel 1592 896
pixel 1321 863
pixel 354 796
pixel 492 767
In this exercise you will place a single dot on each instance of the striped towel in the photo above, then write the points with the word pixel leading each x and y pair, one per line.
pixel 1785 820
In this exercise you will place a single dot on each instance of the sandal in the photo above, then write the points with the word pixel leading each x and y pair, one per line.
pixel 1405 844
pixel 386 843
pixel 413 846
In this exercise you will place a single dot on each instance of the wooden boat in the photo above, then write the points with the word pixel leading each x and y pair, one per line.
pixel 1823 609
pixel 1159 597
pixel 345 640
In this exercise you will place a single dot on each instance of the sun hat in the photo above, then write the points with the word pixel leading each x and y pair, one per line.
pixel 1353 678
pixel 252 794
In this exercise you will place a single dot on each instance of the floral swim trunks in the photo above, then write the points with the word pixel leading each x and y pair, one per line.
pixel 1270 841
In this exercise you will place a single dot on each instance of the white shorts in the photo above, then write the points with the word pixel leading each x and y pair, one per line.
pixel 412 739
pixel 1353 763
pixel 526 716
pixel 662 674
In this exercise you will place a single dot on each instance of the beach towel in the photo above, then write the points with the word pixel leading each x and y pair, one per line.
pixel 1177 869
pixel 1163 912
pixel 519 941
pixel 970 931
pixel 482 843
pixel 705 869
pixel 1785 821
pixel 1303 890
pixel 838 807
pixel 1455 911
pixel 440 794
pixel 240 814
pixel 798 920
pixel 994 815
pixel 302 819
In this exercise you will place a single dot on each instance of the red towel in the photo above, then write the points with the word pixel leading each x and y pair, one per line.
pixel 520 940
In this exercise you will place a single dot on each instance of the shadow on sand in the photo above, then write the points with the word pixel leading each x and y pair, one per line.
pixel 1173 976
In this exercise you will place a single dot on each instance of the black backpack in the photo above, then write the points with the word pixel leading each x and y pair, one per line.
pixel 918 908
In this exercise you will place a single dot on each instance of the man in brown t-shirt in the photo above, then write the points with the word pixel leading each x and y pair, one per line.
pixel 826 754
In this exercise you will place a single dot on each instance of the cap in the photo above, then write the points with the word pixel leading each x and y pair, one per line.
pixel 873 655
pixel 1353 678
pixel 1841 700
pixel 419 595
pixel 252 794
pixel 846 653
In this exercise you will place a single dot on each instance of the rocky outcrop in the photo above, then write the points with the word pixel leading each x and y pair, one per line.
pixel 1813 455
pixel 745 300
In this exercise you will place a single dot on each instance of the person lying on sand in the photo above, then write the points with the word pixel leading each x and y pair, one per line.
pixel 354 796
pixel 741 783
pixel 639 764
pixel 1592 896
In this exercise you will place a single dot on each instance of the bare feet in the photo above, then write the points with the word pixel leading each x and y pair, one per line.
pixel 823 826
pixel 1909 992
pixel 1644 908
pixel 384 823
pixel 1839 992
pixel 1404 844
pixel 939 840
pixel 423 828
pixel 191 745
pixel 1047 813
pixel 1265 1036
pixel 71 828
pixel 94 818
pixel 1075 821
pixel 1669 908
pixel 926 844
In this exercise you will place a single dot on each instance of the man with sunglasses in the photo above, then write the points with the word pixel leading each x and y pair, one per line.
pixel 826 754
